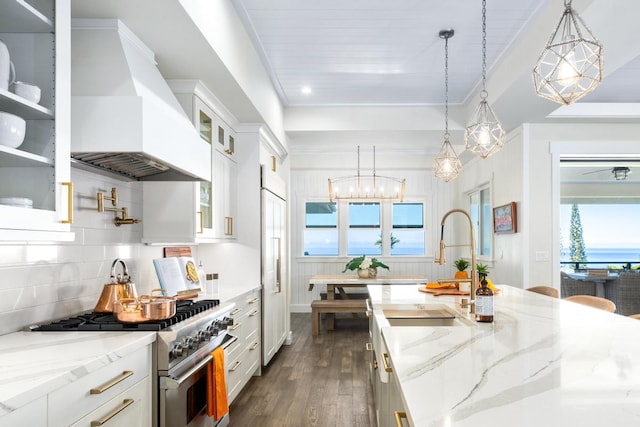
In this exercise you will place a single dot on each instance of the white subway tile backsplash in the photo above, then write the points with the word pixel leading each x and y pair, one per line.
pixel 45 282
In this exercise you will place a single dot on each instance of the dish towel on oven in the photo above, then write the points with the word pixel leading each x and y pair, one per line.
pixel 217 404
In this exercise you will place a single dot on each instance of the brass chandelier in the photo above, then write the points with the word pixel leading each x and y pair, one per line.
pixel 571 64
pixel 366 186
pixel 446 165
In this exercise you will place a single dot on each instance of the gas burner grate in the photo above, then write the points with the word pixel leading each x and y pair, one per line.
pixel 90 321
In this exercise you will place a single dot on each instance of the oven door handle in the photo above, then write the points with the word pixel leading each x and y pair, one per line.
pixel 170 383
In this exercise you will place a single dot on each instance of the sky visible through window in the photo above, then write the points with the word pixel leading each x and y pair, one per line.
pixel 609 231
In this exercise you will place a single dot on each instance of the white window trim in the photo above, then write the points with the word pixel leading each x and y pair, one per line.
pixel 486 185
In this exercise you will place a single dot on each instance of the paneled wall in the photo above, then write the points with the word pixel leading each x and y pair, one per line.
pixel 311 185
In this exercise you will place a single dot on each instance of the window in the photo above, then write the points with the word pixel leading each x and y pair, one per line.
pixel 481 217
pixel 364 229
pixel 321 229
pixel 407 235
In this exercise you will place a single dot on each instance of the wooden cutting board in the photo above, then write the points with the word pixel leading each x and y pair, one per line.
pixel 437 292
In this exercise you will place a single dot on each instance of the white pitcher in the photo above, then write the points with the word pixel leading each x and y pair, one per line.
pixel 5 67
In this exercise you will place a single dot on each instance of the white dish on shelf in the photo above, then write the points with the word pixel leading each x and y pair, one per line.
pixel 12 130
pixel 27 91
pixel 20 202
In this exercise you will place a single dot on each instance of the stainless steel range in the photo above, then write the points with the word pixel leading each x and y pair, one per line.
pixel 181 354
pixel 184 351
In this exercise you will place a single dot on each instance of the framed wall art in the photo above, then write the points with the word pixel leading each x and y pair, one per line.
pixel 505 219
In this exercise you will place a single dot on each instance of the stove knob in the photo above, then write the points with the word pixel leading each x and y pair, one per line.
pixel 228 321
pixel 176 351
pixel 190 342
pixel 201 336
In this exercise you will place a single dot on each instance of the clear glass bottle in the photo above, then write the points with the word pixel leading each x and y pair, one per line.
pixel 484 301
pixel 202 277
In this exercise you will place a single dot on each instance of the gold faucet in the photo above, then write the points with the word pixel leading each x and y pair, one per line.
pixel 474 278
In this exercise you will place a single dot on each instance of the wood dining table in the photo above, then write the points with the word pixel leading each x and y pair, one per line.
pixel 341 282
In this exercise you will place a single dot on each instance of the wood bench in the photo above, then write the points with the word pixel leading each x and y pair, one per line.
pixel 333 306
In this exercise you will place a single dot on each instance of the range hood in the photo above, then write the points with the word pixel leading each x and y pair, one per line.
pixel 124 117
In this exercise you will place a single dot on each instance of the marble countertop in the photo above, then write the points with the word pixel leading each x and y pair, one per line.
pixel 543 361
pixel 32 364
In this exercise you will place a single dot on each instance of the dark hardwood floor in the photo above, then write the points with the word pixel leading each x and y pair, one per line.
pixel 315 381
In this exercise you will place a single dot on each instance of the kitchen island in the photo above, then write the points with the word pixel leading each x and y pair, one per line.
pixel 543 362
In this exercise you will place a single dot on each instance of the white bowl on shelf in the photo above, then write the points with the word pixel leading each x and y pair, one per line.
pixel 20 202
pixel 27 91
pixel 12 130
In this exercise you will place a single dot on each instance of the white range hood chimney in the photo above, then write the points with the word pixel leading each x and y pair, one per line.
pixel 124 117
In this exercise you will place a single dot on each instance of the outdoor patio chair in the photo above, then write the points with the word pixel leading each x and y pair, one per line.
pixel 625 292
pixel 570 287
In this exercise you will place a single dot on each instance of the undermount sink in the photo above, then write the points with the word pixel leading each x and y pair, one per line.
pixel 423 315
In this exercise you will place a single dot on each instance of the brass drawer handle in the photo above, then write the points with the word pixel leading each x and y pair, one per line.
pixel 254 312
pixel 253 301
pixel 234 327
pixel 236 311
pixel 254 346
pixel 375 365
pixel 385 362
pixel 106 386
pixel 368 346
pixel 69 219
pixel 399 415
pixel 122 407
pixel 238 363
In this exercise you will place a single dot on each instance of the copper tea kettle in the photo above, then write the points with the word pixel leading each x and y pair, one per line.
pixel 120 287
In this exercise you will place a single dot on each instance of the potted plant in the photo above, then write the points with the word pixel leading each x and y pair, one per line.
pixel 462 265
pixel 367 267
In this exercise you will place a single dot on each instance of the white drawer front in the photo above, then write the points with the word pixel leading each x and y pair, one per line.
pixel 73 401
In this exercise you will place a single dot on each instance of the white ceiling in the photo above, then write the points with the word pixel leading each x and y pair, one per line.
pixel 380 52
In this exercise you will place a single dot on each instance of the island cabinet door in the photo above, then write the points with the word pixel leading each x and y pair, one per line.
pixel 397 412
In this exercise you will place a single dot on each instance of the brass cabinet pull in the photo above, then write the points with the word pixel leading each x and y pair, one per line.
pixel 254 346
pixel 234 327
pixel 238 363
pixel 201 216
pixel 385 362
pixel 253 301
pixel 254 312
pixel 236 311
pixel 69 219
pixel 399 415
pixel 122 407
pixel 279 266
pixel 228 226
pixel 375 365
pixel 106 386
pixel 368 346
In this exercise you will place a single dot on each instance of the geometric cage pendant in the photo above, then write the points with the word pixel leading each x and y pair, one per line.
pixel 571 65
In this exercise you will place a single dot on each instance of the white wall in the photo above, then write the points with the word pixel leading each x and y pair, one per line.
pixel 310 183
pixel 504 173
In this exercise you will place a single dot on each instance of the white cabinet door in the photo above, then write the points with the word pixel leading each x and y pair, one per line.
pixel 38 169
pixel 225 177
pixel 274 281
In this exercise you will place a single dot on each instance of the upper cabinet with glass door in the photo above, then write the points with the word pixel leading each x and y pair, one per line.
pixel 36 195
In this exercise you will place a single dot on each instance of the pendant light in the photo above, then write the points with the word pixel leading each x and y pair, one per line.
pixel 484 134
pixel 571 64
pixel 364 186
pixel 446 165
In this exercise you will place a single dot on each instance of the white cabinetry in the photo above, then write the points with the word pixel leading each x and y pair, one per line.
pixel 243 356
pixel 120 391
pixel 38 39
pixel 196 212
